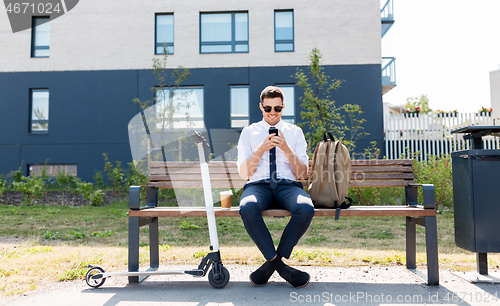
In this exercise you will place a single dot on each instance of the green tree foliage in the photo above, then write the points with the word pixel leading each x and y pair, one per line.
pixel 165 115
pixel 320 112
pixel 418 103
pixel 160 70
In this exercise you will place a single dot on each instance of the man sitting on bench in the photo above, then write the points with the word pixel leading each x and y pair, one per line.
pixel 272 163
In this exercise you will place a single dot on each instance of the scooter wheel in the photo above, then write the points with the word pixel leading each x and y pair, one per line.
pixel 221 281
pixel 95 282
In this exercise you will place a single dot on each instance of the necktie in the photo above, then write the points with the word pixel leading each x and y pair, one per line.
pixel 272 168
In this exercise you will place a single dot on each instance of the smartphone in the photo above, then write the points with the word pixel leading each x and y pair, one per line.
pixel 273 130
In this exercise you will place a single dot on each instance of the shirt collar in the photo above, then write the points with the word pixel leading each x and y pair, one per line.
pixel 278 125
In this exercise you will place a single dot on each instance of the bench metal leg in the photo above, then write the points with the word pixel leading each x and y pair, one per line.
pixel 432 251
pixel 411 244
pixel 482 263
pixel 154 255
pixel 133 248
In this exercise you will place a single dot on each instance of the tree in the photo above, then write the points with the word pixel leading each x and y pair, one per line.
pixel 178 76
pixel 421 103
pixel 166 112
pixel 320 112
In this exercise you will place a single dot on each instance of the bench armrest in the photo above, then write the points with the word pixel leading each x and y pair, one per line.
pixel 411 195
pixel 134 197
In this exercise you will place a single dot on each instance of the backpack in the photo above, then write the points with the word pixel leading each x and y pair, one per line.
pixel 329 176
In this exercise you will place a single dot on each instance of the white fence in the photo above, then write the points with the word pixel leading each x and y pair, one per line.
pixel 417 135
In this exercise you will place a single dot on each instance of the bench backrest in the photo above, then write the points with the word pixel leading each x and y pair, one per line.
pixel 365 173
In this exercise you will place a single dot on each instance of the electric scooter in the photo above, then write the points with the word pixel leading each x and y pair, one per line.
pixel 218 275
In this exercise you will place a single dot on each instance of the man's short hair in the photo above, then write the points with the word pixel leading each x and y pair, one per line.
pixel 271 92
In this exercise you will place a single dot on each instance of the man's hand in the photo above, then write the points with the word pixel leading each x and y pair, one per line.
pixel 280 142
pixel 267 144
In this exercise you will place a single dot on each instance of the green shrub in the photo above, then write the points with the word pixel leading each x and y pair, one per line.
pixel 66 180
pixel 16 176
pixel 3 184
pixel 133 177
pixel 96 198
pixel 437 171
pixel 31 187
pixel 114 174
pixel 99 179
pixel 84 189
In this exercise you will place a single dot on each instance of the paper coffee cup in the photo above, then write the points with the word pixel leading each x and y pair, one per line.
pixel 226 199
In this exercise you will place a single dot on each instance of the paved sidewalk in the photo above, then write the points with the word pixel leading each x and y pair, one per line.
pixel 329 286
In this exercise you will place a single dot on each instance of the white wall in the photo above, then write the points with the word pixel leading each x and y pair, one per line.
pixel 119 34
pixel 495 91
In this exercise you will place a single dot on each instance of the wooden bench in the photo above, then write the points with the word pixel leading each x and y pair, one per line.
pixel 365 173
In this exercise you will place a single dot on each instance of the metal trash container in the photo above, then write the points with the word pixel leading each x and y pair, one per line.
pixel 476 196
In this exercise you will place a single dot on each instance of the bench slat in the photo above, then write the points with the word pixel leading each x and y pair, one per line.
pixel 241 183
pixel 232 163
pixel 236 177
pixel 399 183
pixel 365 173
pixel 381 162
pixel 191 177
pixel 378 169
pixel 234 170
pixel 353 211
pixel 193 170
pixel 198 184
pixel 357 176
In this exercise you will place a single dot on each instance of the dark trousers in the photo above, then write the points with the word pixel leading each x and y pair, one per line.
pixel 289 195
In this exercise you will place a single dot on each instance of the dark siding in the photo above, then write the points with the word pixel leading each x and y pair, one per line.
pixel 89 110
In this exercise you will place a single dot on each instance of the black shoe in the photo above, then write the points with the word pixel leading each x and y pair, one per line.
pixel 260 276
pixel 295 277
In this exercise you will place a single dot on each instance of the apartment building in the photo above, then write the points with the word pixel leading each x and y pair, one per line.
pixel 67 84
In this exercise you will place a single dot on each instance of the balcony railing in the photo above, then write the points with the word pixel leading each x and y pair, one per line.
pixel 387 10
pixel 387 16
pixel 389 71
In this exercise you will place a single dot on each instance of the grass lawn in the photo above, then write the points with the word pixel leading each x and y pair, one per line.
pixel 61 241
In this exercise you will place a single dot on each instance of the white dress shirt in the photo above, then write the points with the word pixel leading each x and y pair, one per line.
pixel 252 136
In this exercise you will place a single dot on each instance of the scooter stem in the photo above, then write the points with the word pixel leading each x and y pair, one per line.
pixel 209 201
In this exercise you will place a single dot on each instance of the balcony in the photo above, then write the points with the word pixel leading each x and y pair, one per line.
pixel 388 74
pixel 387 16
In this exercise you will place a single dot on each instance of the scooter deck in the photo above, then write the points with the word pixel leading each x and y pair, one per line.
pixel 195 272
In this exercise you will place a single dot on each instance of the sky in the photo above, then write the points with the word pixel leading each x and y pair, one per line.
pixel 444 49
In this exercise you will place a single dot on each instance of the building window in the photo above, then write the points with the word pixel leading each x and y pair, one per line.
pixel 39 120
pixel 40 37
pixel 224 32
pixel 182 110
pixel 283 31
pixel 289 110
pixel 51 170
pixel 239 101
pixel 164 33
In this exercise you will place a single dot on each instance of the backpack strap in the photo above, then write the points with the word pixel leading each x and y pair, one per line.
pixel 337 213
pixel 329 135
pixel 347 204
pixel 344 205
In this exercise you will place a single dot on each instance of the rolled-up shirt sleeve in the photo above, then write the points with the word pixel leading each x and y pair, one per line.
pixel 244 148
pixel 301 148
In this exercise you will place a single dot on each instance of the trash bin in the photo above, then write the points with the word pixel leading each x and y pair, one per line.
pixel 476 196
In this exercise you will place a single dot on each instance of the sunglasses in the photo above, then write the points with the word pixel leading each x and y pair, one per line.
pixel 268 109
